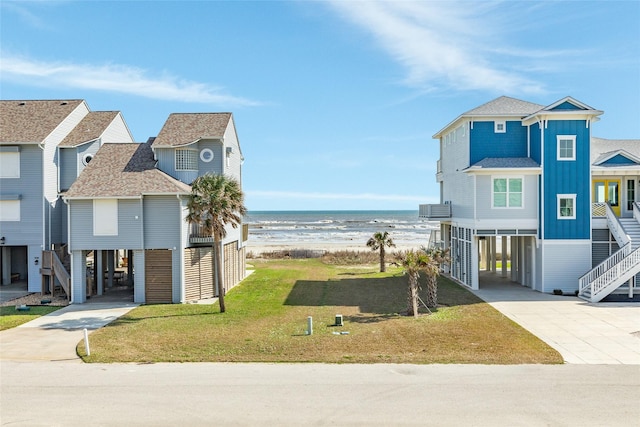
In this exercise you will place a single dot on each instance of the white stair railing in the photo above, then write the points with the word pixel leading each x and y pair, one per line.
pixel 615 269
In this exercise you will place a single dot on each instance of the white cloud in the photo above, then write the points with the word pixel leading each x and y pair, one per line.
pixel 448 44
pixel 336 196
pixel 113 78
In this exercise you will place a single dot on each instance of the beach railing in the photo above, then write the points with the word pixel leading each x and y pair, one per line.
pixel 441 211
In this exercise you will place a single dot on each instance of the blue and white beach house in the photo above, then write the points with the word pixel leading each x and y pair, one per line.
pixel 85 208
pixel 530 183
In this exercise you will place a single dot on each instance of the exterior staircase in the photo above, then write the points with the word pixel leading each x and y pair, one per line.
pixel 622 269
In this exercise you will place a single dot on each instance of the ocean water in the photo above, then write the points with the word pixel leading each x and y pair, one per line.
pixel 336 227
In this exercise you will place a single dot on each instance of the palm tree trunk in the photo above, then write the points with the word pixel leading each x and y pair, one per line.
pixel 218 272
pixel 413 295
pixel 432 291
pixel 382 266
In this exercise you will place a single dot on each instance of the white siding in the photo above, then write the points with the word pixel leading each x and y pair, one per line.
pixel 565 261
pixel 117 131
pixel 484 210
pixel 50 162
pixel 232 167
pixel 458 187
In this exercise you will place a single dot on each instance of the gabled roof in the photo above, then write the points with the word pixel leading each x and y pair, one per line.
pixel 124 170
pixel 31 121
pixel 605 149
pixel 504 163
pixel 186 128
pixel 566 108
pixel 503 106
pixel 90 127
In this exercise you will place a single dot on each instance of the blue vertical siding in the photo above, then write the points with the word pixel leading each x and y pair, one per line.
pixel 486 143
pixel 567 177
pixel 566 106
pixel 167 164
pixel 535 145
pixel 619 160
pixel 68 167
pixel 215 166
pixel 162 222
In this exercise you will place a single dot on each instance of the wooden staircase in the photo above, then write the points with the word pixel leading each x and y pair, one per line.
pixel 621 271
pixel 55 273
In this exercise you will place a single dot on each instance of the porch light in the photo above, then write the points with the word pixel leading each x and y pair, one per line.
pixel 2 240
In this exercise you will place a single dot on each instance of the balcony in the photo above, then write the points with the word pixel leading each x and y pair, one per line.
pixel 197 234
pixel 435 212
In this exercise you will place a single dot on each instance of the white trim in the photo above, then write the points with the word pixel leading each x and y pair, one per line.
pixel 87 158
pixel 508 178
pixel 500 126
pixel 206 155
pixel 571 138
pixel 560 197
pixel 188 166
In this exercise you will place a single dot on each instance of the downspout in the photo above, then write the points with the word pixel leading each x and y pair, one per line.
pixel 43 246
pixel 542 124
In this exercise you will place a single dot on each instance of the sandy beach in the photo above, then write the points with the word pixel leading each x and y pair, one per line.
pixel 259 248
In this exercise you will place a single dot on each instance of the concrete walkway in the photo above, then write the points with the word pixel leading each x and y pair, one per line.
pixel 54 337
pixel 582 332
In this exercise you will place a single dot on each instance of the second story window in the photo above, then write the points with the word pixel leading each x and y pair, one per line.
pixel 9 162
pixel 186 160
pixel 566 147
pixel 566 206
pixel 507 193
pixel 500 127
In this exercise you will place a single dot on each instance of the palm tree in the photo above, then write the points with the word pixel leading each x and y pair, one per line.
pixel 215 201
pixel 413 262
pixel 379 241
pixel 437 257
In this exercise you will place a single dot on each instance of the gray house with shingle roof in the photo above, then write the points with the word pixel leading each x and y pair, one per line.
pixel 529 183
pixel 43 145
pixel 132 199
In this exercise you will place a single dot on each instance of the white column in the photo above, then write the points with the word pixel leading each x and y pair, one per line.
pixel 522 252
pixel 514 259
pixel 475 265
pixel 6 265
pixel 494 250
pixel 503 256
pixel 99 267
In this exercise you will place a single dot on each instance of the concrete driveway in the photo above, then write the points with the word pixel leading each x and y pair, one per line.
pixel 582 332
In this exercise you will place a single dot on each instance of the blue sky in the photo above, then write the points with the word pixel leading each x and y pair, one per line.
pixel 335 102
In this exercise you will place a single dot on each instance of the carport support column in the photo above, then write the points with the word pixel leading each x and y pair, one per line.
pixel 99 272
pixel 483 253
pixel 514 259
pixel 475 265
pixel 503 255
pixel 6 265
pixel 494 250
pixel 111 266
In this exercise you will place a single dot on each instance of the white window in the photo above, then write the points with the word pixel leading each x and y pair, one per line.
pixel 566 147
pixel 566 206
pixel 500 127
pixel 507 192
pixel 10 162
pixel 186 160
pixel 105 217
pixel 206 155
pixel 9 210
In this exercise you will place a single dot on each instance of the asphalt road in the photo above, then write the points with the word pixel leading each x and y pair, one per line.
pixel 77 394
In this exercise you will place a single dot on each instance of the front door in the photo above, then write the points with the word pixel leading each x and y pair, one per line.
pixel 607 191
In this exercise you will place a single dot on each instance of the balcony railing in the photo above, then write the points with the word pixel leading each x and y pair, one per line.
pixel 197 234
pixel 435 212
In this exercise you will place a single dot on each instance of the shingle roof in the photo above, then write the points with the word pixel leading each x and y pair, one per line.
pixel 124 170
pixel 186 128
pixel 90 127
pixel 505 105
pixel 32 121
pixel 506 162
pixel 601 148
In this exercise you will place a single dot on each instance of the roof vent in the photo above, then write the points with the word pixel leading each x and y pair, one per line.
pixel 22 103
pixel 63 103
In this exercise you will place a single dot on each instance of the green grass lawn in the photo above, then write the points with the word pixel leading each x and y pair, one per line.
pixel 10 317
pixel 267 314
